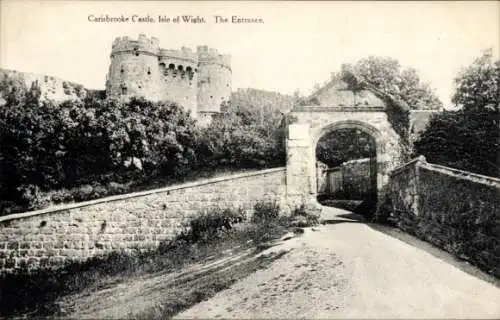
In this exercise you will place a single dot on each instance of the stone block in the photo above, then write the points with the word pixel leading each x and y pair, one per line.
pixel 44 262
pixel 22 263
pixel 56 261
pixel 139 237
pixel 33 262
pixel 14 245
pixel 10 263
pixel 52 252
pixel 292 144
pixel 298 131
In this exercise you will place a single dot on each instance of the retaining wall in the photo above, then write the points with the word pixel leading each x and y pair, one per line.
pixel 135 221
pixel 456 210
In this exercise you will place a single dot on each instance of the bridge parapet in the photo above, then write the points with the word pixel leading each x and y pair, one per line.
pixel 450 208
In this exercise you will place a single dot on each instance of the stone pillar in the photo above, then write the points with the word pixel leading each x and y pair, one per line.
pixel 299 164
pixel 421 161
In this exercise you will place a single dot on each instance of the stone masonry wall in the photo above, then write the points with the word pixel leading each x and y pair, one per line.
pixel 51 88
pixel 356 177
pixel 54 236
pixel 352 178
pixel 455 210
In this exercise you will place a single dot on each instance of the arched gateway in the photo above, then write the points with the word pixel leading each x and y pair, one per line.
pixel 337 106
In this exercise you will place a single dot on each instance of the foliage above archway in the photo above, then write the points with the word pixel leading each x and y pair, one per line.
pixel 341 145
pixel 387 76
pixel 397 110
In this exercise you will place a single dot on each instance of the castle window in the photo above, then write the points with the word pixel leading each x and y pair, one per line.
pixel 211 97
pixel 171 66
pixel 180 68
pixel 190 72
pixel 122 70
pixel 162 65
pixel 136 52
pixel 124 90
pixel 149 71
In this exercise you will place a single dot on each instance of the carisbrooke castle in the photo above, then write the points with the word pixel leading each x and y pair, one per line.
pixel 199 81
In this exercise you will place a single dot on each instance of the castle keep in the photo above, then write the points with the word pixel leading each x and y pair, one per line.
pixel 199 81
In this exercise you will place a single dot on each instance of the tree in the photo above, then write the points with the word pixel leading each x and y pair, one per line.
pixel 468 138
pixel 404 83
pixel 249 133
pixel 477 86
pixel 343 145
pixel 47 146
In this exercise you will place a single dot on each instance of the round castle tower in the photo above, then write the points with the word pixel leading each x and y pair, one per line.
pixel 200 82
pixel 214 81
pixel 134 69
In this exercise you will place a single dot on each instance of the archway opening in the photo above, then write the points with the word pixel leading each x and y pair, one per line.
pixel 346 170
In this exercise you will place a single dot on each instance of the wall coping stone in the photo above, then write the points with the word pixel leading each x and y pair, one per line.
pixel 425 110
pixel 338 109
pixel 355 161
pixel 137 194
pixel 465 175
pixel 403 167
pixel 460 174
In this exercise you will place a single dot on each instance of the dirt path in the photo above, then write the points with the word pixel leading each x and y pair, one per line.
pixel 348 270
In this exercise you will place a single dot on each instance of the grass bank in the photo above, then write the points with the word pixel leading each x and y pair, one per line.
pixel 213 236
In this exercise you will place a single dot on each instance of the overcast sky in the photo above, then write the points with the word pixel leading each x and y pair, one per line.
pixel 299 44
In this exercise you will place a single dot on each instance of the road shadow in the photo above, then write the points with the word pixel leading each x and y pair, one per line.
pixel 352 216
pixel 437 252
pixel 343 218
pixel 409 239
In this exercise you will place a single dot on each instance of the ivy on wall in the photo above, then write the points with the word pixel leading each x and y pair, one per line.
pixel 398 111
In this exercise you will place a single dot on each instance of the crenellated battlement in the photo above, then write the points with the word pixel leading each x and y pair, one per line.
pixel 183 54
pixel 198 80
pixel 142 44
pixel 208 55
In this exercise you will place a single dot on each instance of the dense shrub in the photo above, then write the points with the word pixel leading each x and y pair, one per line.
pixel 302 218
pixel 463 140
pixel 244 136
pixel 209 225
pixel 384 208
pixel 93 147
pixel 343 145
pixel 89 145
pixel 32 198
pixel 387 75
pixel 468 138
pixel 265 212
pixel 267 222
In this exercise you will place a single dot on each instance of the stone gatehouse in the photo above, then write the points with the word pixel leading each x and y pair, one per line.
pixel 337 106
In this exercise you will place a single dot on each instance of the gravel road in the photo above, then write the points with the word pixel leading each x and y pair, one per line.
pixel 347 269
